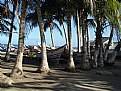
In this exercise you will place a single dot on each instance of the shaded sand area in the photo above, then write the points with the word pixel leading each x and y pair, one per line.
pixel 106 79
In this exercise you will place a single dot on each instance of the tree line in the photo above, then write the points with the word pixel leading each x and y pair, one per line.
pixel 42 13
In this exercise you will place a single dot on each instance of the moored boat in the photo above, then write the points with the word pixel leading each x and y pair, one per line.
pixel 53 55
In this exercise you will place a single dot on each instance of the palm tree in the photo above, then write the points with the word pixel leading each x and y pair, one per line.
pixel 7 56
pixel 4 23
pixel 49 22
pixel 78 31
pixel 91 24
pixel 17 69
pixel 101 15
pixel 60 17
pixel 70 65
pixel 44 67
pixel 109 42
pixel 85 61
pixel 84 12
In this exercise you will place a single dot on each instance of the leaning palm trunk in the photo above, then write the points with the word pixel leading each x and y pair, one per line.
pixel 109 42
pixel 71 65
pixel 44 67
pixel 18 70
pixel 111 59
pixel 7 56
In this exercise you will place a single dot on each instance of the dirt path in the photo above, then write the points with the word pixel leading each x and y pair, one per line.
pixel 58 80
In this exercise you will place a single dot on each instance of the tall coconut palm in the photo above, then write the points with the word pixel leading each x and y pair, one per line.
pixel 44 67
pixel 102 13
pixel 88 43
pixel 60 17
pixel 91 24
pixel 7 56
pixel 98 15
pixel 85 10
pixel 68 7
pixel 49 22
pixel 71 65
pixel 17 69
pixel 85 61
pixel 78 31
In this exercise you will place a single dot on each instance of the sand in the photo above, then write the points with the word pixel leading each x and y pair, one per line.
pixel 101 79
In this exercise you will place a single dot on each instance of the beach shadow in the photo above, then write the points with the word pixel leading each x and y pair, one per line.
pixel 66 82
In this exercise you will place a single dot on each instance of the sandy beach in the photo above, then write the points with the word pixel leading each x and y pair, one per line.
pixel 104 79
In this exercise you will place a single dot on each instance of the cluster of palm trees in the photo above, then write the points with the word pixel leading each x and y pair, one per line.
pixel 43 13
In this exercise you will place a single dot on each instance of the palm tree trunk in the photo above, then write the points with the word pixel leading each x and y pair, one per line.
pixel 98 46
pixel 18 70
pixel 78 32
pixel 117 48
pixel 113 55
pixel 85 61
pixel 101 62
pixel 7 56
pixel 65 35
pixel 88 44
pixel 71 65
pixel 44 67
pixel 109 42
pixel 96 52
pixel 52 39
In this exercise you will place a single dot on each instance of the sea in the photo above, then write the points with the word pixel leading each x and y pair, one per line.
pixel 16 46
pixel 5 45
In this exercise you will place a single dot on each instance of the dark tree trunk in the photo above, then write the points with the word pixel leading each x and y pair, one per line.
pixel 88 44
pixel 109 42
pixel 98 55
pixel 7 56
pixel 85 61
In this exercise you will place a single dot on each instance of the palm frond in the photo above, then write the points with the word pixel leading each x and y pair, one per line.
pixel 91 23
pixel 32 20
pixel 56 26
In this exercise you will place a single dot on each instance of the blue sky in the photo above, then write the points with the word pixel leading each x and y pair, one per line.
pixel 34 36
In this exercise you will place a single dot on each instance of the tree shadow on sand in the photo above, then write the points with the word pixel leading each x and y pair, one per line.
pixel 65 81
pixel 59 80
